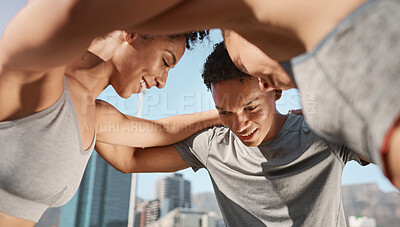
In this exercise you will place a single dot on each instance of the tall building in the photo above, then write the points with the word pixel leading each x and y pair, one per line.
pixel 140 214
pixel 102 199
pixel 152 211
pixel 173 192
pixel 147 212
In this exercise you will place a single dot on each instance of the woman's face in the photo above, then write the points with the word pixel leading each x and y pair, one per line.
pixel 143 62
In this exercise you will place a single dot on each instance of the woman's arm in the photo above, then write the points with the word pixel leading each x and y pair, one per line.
pixel 113 127
pixel 50 33
pixel 139 160
pixel 198 15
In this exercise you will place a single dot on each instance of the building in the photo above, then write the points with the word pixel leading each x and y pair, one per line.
pixel 183 217
pixel 173 192
pixel 102 199
pixel 152 211
pixel 147 212
pixel 140 214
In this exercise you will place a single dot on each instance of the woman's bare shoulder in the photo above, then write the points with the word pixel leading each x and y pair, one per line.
pixel 24 93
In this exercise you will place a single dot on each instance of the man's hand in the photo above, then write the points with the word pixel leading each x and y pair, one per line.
pixel 298 112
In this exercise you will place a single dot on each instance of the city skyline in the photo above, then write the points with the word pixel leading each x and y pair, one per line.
pixel 173 206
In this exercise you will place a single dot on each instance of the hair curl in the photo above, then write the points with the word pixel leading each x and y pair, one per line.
pixel 219 67
pixel 194 36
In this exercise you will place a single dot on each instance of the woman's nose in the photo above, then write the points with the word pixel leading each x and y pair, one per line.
pixel 161 80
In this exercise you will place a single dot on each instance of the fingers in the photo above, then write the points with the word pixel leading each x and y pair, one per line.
pixel 274 82
pixel 298 112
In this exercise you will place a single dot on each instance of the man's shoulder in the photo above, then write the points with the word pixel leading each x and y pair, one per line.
pixel 295 130
pixel 215 132
pixel 295 123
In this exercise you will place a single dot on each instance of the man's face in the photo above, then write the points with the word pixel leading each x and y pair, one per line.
pixel 251 60
pixel 245 109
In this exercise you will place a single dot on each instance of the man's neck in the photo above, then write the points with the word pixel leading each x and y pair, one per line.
pixel 277 124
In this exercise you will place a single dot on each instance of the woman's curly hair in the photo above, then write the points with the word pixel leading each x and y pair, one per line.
pixel 219 67
pixel 191 37
pixel 194 36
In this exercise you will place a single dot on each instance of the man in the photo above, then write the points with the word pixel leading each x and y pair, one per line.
pixel 267 169
pixel 333 51
pixel 340 109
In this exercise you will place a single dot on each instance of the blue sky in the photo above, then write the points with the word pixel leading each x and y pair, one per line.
pixel 186 93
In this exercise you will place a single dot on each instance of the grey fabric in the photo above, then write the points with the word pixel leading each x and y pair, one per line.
pixel 292 180
pixel 350 83
pixel 41 160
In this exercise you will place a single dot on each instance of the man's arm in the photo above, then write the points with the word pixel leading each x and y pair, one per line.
pixel 135 160
pixel 346 154
pixel 113 127
pixel 51 33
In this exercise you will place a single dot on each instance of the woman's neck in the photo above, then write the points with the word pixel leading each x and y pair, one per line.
pixel 91 73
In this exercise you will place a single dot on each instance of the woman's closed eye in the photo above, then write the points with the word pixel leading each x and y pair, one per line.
pixel 165 63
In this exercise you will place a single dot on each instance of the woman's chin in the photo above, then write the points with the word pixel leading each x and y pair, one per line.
pixel 126 95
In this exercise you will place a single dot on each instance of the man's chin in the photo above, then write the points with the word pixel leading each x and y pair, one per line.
pixel 251 143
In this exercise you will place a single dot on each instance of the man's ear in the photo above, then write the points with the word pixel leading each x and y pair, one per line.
pixel 263 84
pixel 129 37
pixel 278 94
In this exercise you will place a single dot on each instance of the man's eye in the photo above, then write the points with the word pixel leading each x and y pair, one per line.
pixel 223 112
pixel 250 108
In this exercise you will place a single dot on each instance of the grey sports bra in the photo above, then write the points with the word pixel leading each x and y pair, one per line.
pixel 41 160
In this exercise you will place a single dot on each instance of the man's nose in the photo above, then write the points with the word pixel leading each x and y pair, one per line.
pixel 240 122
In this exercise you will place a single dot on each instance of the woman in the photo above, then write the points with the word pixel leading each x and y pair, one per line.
pixel 48 90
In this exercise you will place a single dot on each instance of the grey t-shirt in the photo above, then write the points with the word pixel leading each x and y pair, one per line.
pixel 292 180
